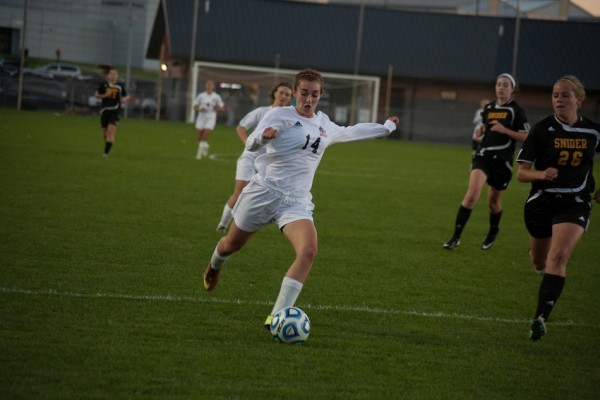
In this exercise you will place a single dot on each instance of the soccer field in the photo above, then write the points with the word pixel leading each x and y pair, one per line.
pixel 101 277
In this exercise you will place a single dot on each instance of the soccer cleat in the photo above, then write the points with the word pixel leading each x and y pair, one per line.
pixel 211 277
pixel 452 243
pixel 489 239
pixel 205 150
pixel 267 323
pixel 221 228
pixel 538 329
pixel 199 155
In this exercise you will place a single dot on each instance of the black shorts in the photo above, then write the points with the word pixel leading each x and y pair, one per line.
pixel 542 210
pixel 108 117
pixel 497 170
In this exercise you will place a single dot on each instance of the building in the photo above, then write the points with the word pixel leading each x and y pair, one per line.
pixel 440 64
pixel 84 31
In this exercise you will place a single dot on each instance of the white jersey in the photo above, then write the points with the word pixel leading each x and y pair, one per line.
pixel 209 102
pixel 292 158
pixel 250 121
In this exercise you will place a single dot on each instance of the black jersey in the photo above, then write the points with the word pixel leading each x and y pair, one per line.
pixel 116 90
pixel 512 116
pixel 570 149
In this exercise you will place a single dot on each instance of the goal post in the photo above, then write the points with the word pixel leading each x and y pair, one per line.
pixel 245 87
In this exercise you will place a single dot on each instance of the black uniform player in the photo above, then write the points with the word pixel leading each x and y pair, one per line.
pixel 504 123
pixel 112 94
pixel 557 211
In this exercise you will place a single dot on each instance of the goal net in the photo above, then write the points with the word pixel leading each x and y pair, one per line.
pixel 346 99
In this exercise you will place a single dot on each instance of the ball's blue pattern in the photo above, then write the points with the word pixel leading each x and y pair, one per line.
pixel 290 325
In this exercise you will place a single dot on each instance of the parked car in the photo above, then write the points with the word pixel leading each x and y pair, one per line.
pixel 38 93
pixel 58 70
pixel 10 66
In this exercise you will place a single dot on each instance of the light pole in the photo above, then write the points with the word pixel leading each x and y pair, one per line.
pixel 192 76
pixel 22 64
pixel 353 106
pixel 129 47
pixel 516 42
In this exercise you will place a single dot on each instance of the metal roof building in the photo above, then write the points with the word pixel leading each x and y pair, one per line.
pixel 419 45
pixel 441 64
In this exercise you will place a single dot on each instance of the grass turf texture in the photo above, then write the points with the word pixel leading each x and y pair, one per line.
pixel 100 284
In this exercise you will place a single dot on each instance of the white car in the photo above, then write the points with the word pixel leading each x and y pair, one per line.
pixel 59 70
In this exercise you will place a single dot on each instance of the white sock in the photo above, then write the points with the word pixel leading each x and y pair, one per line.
pixel 226 217
pixel 289 292
pixel 217 260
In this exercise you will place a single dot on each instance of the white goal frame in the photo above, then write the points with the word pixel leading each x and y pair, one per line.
pixel 369 100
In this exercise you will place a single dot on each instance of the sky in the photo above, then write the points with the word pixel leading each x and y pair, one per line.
pixel 591 6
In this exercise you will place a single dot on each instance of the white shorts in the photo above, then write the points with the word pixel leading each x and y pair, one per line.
pixel 259 205
pixel 245 169
pixel 206 120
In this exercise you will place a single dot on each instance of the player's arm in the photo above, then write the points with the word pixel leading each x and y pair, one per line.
pixel 525 173
pixel 220 104
pixel 197 104
pixel 102 93
pixel 365 130
pixel 249 121
pixel 478 132
pixel 259 138
pixel 242 133
pixel 519 136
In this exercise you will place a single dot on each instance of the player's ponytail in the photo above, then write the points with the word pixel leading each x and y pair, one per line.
pixel 105 68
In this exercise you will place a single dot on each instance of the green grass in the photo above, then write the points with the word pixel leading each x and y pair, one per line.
pixel 100 278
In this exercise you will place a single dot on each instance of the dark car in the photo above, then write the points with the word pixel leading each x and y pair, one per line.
pixel 10 66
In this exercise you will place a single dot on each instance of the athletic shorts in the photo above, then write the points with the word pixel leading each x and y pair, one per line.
pixel 259 205
pixel 245 169
pixel 206 120
pixel 542 210
pixel 108 117
pixel 497 170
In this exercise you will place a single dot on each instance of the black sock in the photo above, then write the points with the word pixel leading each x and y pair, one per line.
pixel 107 147
pixel 461 220
pixel 495 222
pixel 550 290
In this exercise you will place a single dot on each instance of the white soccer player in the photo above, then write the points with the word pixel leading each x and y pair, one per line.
pixel 281 95
pixel 295 138
pixel 206 105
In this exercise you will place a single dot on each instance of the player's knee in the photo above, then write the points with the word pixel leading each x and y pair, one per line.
pixel 309 253
pixel 558 259
pixel 470 200
pixel 495 208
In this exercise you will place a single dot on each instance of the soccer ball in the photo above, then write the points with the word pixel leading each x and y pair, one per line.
pixel 290 325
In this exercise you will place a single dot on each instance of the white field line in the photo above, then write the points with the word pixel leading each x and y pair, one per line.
pixel 350 308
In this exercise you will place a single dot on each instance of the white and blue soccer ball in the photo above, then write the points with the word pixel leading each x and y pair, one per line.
pixel 290 325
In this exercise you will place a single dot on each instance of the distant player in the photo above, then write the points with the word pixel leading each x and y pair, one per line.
pixel 561 147
pixel 296 138
pixel 112 94
pixel 206 105
pixel 504 124
pixel 281 95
